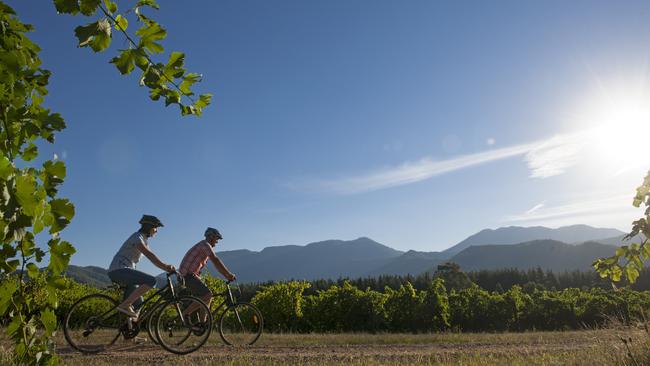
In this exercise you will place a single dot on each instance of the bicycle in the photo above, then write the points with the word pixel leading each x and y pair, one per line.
pixel 173 329
pixel 240 323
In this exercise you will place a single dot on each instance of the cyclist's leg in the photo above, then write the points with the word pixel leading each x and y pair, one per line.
pixel 137 284
pixel 200 290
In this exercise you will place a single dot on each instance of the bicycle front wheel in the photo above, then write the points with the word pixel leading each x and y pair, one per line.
pixel 183 325
pixel 92 324
pixel 240 324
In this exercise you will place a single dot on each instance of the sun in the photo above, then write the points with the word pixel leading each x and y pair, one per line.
pixel 617 131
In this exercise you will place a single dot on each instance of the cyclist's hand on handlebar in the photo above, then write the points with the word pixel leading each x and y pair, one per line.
pixel 231 277
pixel 170 268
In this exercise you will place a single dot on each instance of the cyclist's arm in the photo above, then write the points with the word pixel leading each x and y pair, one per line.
pixel 220 266
pixel 154 259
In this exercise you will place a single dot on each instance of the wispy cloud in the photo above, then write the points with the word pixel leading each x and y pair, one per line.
pixel 612 205
pixel 553 156
pixel 535 208
pixel 545 158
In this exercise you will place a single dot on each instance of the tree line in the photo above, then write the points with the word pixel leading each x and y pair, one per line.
pixel 296 306
pixel 499 280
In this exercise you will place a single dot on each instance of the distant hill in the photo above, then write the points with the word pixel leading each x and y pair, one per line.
pixel 326 259
pixel 510 247
pixel 547 254
pixel 90 275
pixel 618 240
pixel 516 234
pixel 411 262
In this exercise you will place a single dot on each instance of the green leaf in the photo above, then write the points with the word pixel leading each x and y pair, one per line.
pixel 57 282
pixel 97 35
pixel 151 78
pixel 110 6
pixel 6 168
pixel 30 152
pixel 188 80
pixel 204 100
pixel 52 175
pixel 172 97
pixel 63 211
pixel 32 270
pixel 55 121
pixel 88 7
pixel 122 22
pixel 151 3
pixel 7 290
pixel 616 273
pixel 55 169
pixel 141 60
pixel 174 67
pixel 13 327
pixel 149 34
pixel 60 252
pixel 26 193
pixel 67 6
pixel 49 320
pixel 125 61
pixel 632 273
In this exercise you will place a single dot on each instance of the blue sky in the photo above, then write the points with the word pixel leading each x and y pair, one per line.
pixel 414 123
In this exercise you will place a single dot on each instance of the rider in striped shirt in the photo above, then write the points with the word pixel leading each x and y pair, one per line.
pixel 194 261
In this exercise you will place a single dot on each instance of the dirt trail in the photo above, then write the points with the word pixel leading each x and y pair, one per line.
pixel 292 351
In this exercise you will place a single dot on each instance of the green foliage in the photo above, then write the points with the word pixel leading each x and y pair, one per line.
pixel 28 201
pixel 627 262
pixel 345 308
pixel 29 205
pixel 452 275
pixel 282 305
pixel 169 81
pixel 435 306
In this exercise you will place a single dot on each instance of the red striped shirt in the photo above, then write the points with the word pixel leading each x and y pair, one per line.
pixel 195 258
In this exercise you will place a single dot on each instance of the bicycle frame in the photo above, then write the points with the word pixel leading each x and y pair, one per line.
pixel 228 299
pixel 148 311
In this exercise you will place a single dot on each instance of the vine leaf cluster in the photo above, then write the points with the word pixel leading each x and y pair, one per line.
pixel 167 81
pixel 31 210
pixel 29 205
pixel 627 262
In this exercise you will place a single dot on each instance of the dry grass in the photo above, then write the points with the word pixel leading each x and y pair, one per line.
pixel 588 347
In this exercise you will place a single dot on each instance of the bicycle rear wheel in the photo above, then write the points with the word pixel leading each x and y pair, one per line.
pixel 151 323
pixel 182 333
pixel 92 324
pixel 241 324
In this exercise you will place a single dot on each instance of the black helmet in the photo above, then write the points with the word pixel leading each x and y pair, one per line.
pixel 150 220
pixel 212 231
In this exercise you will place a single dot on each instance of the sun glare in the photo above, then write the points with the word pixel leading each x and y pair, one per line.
pixel 619 132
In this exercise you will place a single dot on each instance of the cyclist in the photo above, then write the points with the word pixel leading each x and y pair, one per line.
pixel 194 261
pixel 122 268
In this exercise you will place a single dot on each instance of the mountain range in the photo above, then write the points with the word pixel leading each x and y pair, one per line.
pixel 566 248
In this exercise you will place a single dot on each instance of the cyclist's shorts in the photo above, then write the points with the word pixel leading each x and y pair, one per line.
pixel 198 288
pixel 130 276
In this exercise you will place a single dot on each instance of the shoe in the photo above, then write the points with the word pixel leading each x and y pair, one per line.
pixel 129 312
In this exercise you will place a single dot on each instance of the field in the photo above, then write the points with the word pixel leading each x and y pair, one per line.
pixel 587 347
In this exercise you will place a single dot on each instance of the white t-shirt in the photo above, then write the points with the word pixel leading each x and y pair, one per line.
pixel 128 255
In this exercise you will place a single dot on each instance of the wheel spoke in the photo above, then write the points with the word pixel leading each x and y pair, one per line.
pixel 240 324
pixel 92 324
pixel 183 333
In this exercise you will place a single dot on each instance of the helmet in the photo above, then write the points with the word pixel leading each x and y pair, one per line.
pixel 212 231
pixel 150 220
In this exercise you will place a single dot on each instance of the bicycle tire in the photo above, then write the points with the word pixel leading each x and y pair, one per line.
pixel 151 324
pixel 241 324
pixel 173 333
pixel 95 304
